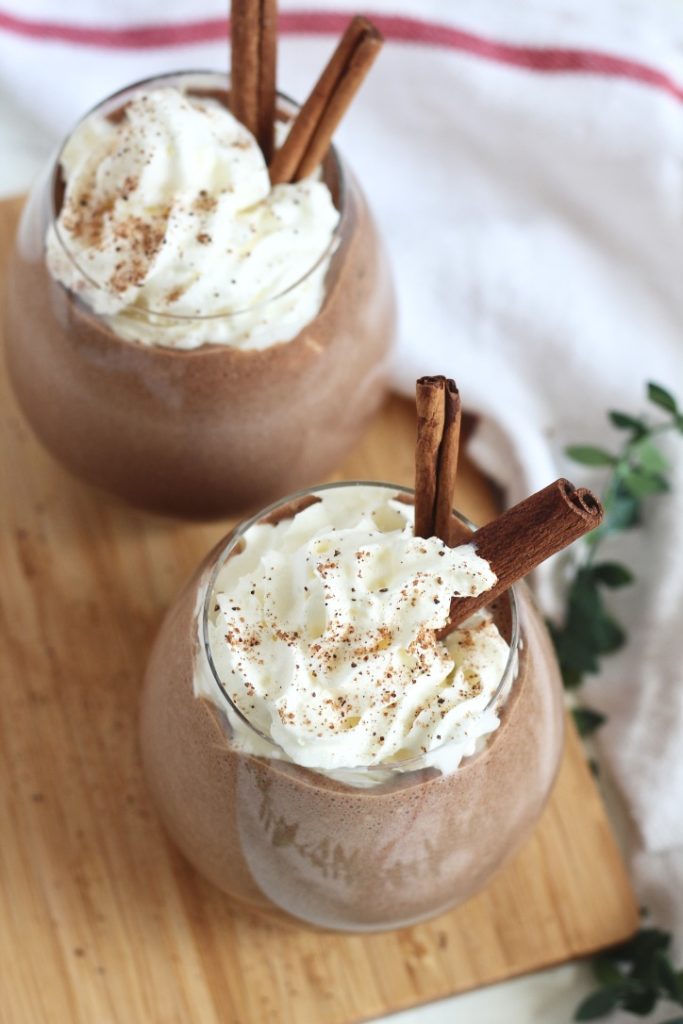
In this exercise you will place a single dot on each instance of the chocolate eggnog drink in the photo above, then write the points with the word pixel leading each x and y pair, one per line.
pixel 312 745
pixel 182 332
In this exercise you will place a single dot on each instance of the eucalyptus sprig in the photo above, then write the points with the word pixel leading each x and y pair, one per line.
pixel 636 977
pixel 638 470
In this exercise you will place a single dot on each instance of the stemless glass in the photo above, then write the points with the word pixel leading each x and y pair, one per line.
pixel 359 849
pixel 216 429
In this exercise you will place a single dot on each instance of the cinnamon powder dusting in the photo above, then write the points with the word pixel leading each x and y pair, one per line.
pixel 86 221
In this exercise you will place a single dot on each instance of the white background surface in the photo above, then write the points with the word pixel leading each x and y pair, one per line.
pixel 546 998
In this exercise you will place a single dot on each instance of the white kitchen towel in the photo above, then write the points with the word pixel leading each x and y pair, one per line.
pixel 526 165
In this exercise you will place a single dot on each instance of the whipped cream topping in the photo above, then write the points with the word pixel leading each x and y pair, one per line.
pixel 322 631
pixel 169 215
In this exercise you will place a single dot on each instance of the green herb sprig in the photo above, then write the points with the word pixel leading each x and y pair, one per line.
pixel 637 471
pixel 636 976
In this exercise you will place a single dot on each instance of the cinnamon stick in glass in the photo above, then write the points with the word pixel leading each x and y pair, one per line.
pixel 431 413
pixel 253 42
pixel 526 535
pixel 245 36
pixel 265 133
pixel 311 134
pixel 436 455
pixel 444 524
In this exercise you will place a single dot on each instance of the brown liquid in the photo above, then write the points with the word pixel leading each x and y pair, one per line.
pixel 283 838
pixel 213 430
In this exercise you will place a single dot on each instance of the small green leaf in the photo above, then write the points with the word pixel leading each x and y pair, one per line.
pixel 660 396
pixel 572 679
pixel 622 511
pixel 622 421
pixel 668 978
pixel 606 971
pixel 641 484
pixel 575 652
pixel 587 720
pixel 649 456
pixel 679 422
pixel 608 635
pixel 641 1001
pixel 643 946
pixel 588 630
pixel 599 1004
pixel 612 574
pixel 590 456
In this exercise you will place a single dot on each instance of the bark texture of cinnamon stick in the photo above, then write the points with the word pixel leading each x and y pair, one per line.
pixel 267 78
pixel 436 455
pixel 253 42
pixel 444 524
pixel 526 535
pixel 311 134
pixel 245 35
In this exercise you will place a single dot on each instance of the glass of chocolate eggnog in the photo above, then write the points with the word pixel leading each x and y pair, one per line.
pixel 181 332
pixel 315 749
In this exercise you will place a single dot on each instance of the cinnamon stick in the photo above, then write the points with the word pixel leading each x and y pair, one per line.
pixel 436 455
pixel 311 134
pixel 431 413
pixel 245 36
pixel 526 535
pixel 350 82
pixel 267 77
pixel 253 40
pixel 444 524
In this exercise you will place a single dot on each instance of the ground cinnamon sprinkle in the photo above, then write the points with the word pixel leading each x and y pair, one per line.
pixel 204 203
pixel 85 221
pixel 143 240
pixel 129 185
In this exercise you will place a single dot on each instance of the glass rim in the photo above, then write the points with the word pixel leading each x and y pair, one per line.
pixel 142 312
pixel 236 536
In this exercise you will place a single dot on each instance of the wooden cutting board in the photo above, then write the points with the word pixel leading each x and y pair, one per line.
pixel 101 920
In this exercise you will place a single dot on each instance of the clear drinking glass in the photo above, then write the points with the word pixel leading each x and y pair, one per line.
pixel 321 846
pixel 212 430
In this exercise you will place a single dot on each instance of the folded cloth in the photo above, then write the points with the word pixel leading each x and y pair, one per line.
pixel 526 167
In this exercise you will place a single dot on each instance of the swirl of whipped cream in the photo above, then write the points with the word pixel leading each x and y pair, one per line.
pixel 168 214
pixel 322 631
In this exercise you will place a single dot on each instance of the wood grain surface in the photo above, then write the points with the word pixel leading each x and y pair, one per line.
pixel 101 920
